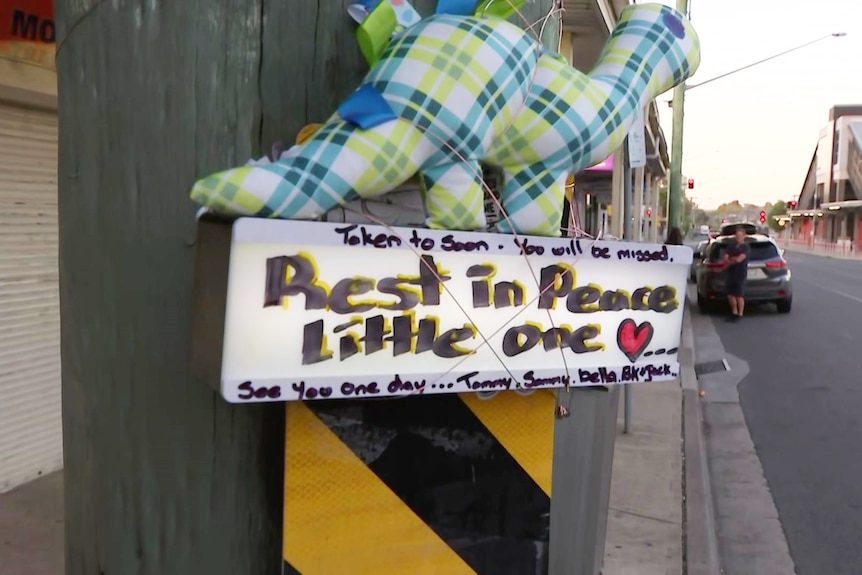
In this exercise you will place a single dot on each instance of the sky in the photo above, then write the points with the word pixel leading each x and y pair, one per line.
pixel 750 136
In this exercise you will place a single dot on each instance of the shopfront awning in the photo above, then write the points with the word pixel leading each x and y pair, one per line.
pixel 845 205
pixel 658 160
pixel 804 213
pixel 587 21
pixel 590 22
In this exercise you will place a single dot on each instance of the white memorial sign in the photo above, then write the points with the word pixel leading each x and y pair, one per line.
pixel 325 311
pixel 637 142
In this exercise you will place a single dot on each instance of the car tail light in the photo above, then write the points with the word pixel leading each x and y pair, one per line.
pixel 776 264
pixel 714 265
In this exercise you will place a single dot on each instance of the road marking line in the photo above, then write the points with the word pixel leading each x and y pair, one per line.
pixel 844 271
pixel 835 291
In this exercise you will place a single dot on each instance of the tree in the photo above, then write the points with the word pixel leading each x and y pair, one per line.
pixel 163 476
pixel 777 209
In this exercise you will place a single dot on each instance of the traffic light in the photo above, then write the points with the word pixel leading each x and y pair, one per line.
pixel 791 204
pixel 649 212
pixel 762 217
pixel 691 183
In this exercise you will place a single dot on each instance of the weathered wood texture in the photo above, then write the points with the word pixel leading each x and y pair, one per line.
pixel 162 476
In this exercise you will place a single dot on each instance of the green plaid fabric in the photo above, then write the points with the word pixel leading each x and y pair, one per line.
pixel 572 120
pixel 465 90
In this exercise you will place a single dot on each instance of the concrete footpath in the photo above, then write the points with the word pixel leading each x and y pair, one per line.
pixel 654 528
pixel 31 528
pixel 644 535
pixel 661 519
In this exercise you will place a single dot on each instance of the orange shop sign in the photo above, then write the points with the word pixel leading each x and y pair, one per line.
pixel 27 31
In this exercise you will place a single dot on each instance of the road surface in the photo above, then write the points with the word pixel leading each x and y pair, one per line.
pixel 802 401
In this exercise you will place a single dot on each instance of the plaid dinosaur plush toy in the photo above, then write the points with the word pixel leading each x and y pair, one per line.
pixel 452 91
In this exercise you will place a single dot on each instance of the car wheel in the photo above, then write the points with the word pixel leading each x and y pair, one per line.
pixel 784 305
pixel 703 306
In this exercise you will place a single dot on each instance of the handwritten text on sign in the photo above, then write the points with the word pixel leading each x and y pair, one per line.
pixel 318 311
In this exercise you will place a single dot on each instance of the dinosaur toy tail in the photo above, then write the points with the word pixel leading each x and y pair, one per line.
pixel 339 163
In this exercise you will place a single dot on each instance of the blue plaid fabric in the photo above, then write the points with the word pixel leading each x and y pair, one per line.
pixel 465 89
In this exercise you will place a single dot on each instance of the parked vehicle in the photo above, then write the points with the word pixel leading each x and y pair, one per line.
pixel 768 273
pixel 697 259
pixel 728 229
pixel 694 237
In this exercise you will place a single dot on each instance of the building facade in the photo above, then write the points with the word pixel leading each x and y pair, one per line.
pixel 828 209
pixel 30 415
pixel 597 192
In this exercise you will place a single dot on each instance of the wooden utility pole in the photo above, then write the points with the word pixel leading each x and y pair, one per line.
pixel 162 476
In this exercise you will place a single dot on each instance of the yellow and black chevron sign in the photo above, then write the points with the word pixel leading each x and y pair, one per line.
pixel 449 484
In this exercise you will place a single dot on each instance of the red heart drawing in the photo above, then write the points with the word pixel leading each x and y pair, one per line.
pixel 633 339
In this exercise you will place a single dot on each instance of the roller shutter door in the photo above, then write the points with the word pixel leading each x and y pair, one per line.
pixel 30 415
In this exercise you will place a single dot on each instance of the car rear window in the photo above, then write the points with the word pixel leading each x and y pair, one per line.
pixel 759 251
pixel 727 230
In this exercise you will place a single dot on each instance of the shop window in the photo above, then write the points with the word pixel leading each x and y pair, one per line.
pixel 850 191
pixel 835 147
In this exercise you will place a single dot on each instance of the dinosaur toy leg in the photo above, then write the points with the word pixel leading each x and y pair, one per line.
pixel 533 199
pixel 454 196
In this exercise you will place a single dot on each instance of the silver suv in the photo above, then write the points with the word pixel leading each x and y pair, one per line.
pixel 768 278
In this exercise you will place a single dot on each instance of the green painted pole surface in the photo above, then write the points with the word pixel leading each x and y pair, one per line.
pixel 162 476
pixel 674 191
